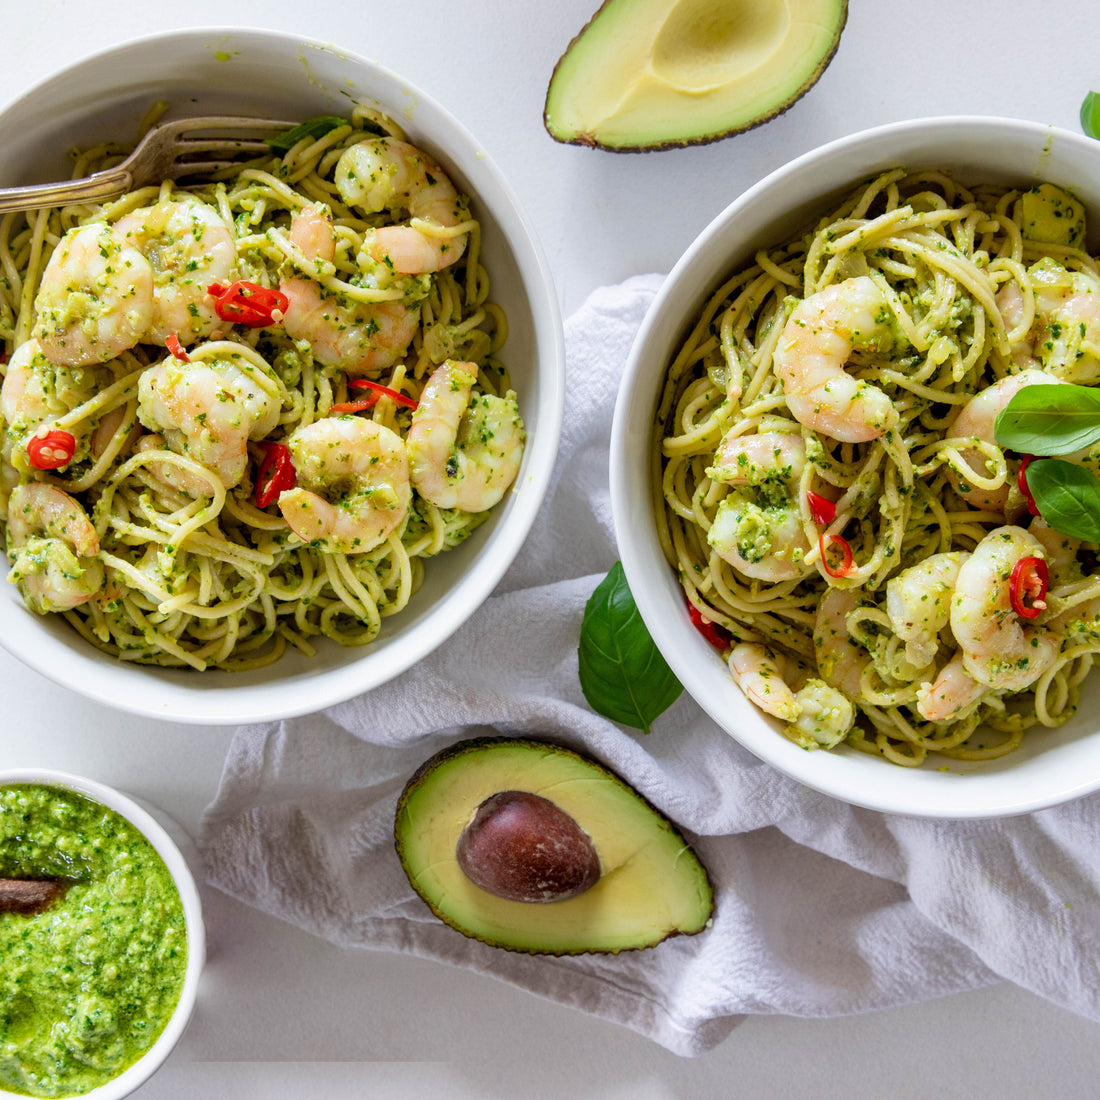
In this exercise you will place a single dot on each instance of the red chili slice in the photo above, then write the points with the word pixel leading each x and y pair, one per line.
pixel 717 635
pixel 1027 587
pixel 275 475
pixel 248 304
pixel 172 343
pixel 354 406
pixel 1022 485
pixel 847 564
pixel 51 450
pixel 822 509
pixel 382 391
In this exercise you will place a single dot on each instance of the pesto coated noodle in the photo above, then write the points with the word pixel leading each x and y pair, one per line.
pixel 244 412
pixel 830 489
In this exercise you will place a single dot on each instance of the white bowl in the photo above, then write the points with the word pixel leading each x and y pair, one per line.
pixel 146 824
pixel 1052 766
pixel 282 76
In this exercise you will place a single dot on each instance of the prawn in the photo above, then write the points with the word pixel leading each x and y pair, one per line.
pixel 816 343
pixel 840 662
pixel 357 336
pixel 464 447
pixel 999 650
pixel 95 299
pixel 387 174
pixel 816 715
pixel 52 548
pixel 1064 336
pixel 760 532
pixel 954 690
pixel 36 391
pixel 188 247
pixel 918 604
pixel 951 694
pixel 353 487
pixel 208 410
pixel 976 421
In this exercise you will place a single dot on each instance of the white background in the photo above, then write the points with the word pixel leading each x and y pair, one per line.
pixel 282 1014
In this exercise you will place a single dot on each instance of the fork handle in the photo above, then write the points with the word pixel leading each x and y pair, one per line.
pixel 37 196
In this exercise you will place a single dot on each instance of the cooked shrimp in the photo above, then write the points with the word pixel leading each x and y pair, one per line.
pixel 357 336
pixel 24 395
pixel 464 446
pixel 999 649
pixel 840 662
pixel 208 411
pixel 976 421
pixel 918 604
pixel 387 174
pixel 815 345
pixel 1064 337
pixel 353 484
pixel 951 694
pixel 52 548
pixel 759 530
pixel 95 299
pixel 35 389
pixel 35 392
pixel 755 669
pixel 188 246
pixel 817 716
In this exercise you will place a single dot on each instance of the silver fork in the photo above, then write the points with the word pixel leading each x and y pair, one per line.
pixel 166 152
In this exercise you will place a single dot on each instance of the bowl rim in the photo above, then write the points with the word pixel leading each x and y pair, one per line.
pixel 311 690
pixel 183 878
pixel 687 654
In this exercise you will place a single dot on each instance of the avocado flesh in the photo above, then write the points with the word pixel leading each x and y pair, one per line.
pixel 652 885
pixel 652 74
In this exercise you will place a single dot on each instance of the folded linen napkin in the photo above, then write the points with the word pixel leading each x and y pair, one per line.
pixel 822 908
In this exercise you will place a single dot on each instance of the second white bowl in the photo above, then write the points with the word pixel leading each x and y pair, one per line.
pixel 1053 765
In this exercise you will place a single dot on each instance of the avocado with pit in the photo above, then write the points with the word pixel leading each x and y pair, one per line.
pixel 530 846
pixel 657 74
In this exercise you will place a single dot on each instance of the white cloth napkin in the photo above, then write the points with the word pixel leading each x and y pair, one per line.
pixel 822 909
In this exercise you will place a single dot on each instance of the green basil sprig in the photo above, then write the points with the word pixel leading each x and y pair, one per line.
pixel 622 673
pixel 1067 496
pixel 1090 115
pixel 311 128
pixel 1050 420
pixel 1056 420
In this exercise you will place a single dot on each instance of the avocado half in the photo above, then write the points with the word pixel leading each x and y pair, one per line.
pixel 657 74
pixel 651 884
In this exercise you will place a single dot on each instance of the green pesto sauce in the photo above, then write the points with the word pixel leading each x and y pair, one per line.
pixel 87 985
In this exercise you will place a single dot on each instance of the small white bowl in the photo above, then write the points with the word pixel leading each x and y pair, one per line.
pixel 266 73
pixel 1052 766
pixel 131 1079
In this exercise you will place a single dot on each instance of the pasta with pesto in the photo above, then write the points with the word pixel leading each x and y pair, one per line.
pixel 243 412
pixel 844 524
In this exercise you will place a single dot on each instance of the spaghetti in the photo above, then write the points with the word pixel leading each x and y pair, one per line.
pixel 201 379
pixel 830 490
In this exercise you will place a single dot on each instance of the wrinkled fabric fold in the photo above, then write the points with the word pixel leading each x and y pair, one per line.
pixel 822 908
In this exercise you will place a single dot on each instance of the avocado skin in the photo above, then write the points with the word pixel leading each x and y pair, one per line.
pixel 591 141
pixel 405 836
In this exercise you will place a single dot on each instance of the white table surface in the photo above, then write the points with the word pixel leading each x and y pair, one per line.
pixel 282 1014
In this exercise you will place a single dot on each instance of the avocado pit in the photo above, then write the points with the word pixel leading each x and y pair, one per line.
pixel 522 847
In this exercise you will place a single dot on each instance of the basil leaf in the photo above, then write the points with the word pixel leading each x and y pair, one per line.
pixel 1050 420
pixel 1067 496
pixel 622 673
pixel 311 128
pixel 1090 115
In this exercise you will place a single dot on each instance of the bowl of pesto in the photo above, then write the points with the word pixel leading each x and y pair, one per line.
pixel 101 937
